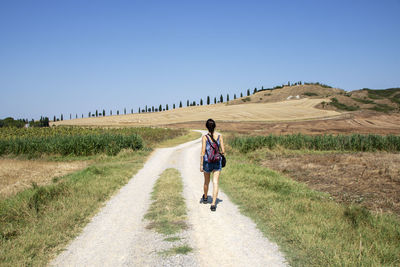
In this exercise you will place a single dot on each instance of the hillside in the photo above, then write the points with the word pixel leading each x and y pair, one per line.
pixel 293 92
pixel 288 110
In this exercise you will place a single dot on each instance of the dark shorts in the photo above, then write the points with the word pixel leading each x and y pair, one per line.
pixel 210 167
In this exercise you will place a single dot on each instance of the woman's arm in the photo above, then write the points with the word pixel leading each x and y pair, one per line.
pixel 203 151
pixel 222 144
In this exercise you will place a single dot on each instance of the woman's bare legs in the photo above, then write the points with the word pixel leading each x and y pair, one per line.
pixel 215 186
pixel 206 182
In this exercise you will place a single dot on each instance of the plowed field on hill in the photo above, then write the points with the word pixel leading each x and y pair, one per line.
pixel 255 112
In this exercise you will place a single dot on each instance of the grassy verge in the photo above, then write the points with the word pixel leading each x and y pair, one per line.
pixel 310 228
pixel 38 222
pixel 190 136
pixel 167 213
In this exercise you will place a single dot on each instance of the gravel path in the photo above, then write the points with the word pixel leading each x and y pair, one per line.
pixel 117 235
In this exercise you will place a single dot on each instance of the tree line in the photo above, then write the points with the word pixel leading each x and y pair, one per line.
pixel 189 103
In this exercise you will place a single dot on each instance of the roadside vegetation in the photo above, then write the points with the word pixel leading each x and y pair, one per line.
pixel 37 222
pixel 354 142
pixel 167 215
pixel 310 227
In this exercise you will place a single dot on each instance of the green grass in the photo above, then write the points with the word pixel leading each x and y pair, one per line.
pixel 37 223
pixel 183 249
pixel 310 228
pixel 342 106
pixel 167 213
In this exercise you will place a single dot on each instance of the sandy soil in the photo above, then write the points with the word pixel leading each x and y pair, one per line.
pixel 371 179
pixel 281 111
pixel 16 175
pixel 363 123
pixel 115 236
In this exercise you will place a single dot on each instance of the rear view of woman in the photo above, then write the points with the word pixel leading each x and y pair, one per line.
pixel 210 161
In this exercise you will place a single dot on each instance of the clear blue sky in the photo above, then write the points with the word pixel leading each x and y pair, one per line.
pixel 78 56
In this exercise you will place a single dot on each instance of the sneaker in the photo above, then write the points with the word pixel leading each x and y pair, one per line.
pixel 205 199
pixel 213 207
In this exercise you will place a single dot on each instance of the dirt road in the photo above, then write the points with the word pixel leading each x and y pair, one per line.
pixel 117 235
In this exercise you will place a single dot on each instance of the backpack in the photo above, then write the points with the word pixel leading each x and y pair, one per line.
pixel 214 155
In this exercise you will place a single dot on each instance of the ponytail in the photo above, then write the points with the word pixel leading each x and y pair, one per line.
pixel 210 124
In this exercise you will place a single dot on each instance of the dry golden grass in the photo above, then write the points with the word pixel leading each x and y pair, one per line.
pixel 279 111
pixel 16 175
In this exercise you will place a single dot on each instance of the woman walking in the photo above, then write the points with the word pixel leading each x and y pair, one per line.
pixel 210 161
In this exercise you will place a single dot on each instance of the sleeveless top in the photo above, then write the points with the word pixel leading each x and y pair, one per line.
pixel 208 147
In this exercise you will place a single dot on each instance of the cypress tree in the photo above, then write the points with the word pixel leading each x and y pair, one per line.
pixel 160 108
pixel 125 111
pixel 131 110
pixel 173 106
pixel 97 113
pixel 76 115
pixel 208 100
pixel 221 99
pixel 62 117
pixel 82 115
pixel 139 110
pixel 255 90
pixel 194 103
pixel 70 116
pixel 241 94
pixel 201 101
pixel 90 114
pixel 110 112
pixel 187 103
pixel 54 119
pixel 227 97
pixel 248 92
pixel 215 100
pixel 166 107
pixel 152 109
pixel 104 113
pixel 146 108
pixel 180 104
pixel 234 96
pixel 117 112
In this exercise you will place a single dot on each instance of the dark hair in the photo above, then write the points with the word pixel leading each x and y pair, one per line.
pixel 210 124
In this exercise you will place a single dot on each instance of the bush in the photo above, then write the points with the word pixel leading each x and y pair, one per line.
pixel 310 94
pixel 342 106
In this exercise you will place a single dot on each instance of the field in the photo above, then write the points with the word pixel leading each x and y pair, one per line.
pixel 253 112
pixel 18 174
pixel 369 179
pixel 363 123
